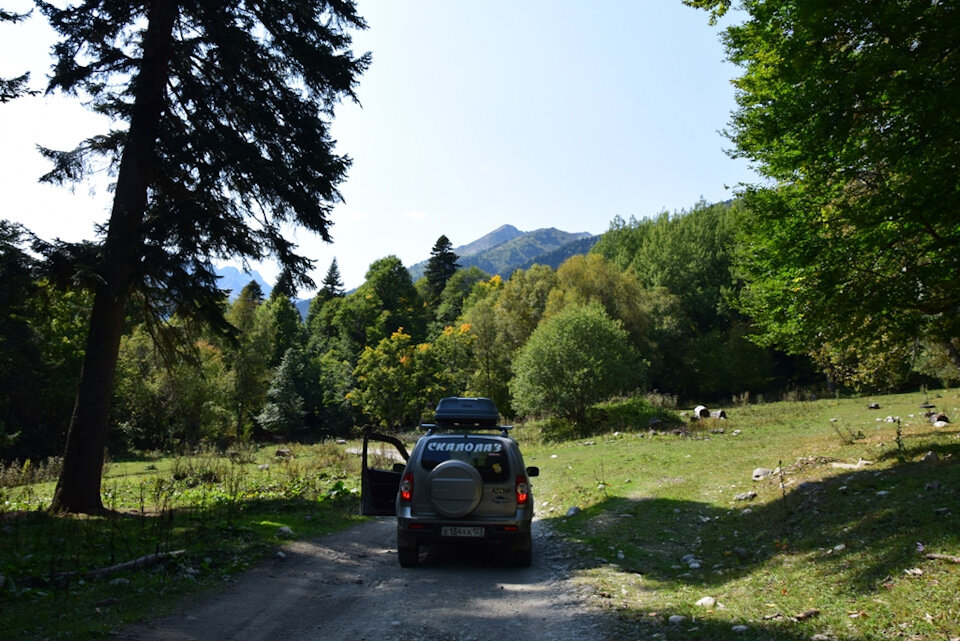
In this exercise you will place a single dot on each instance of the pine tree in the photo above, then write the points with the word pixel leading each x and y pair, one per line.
pixel 11 88
pixel 227 105
pixel 283 412
pixel 441 266
pixel 332 285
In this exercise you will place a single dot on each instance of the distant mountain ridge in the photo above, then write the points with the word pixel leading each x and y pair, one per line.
pixel 233 280
pixel 501 252
pixel 506 249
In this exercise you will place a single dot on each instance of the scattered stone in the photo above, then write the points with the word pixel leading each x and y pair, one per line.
pixel 932 485
pixel 341 441
pixel 840 547
pixel 692 562
pixel 283 452
pixel 941 424
pixel 942 511
pixel 117 581
pixel 739 629
pixel 809 614
pixel 927 406
pixel 745 511
pixel 930 457
pixel 574 511
pixel 913 572
pixel 284 532
pixel 821 637
pixel 264 467
pixel 761 473
pixel 737 432
pixel 834 420
pixel 873 406
pixel 745 496
pixel 893 419
pixel 553 456
pixel 852 466
pixel 676 619
pixel 280 556
pixel 707 602
pixel 883 493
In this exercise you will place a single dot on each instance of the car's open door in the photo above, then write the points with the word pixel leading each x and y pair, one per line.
pixel 380 474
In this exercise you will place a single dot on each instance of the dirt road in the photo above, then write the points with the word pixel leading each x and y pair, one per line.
pixel 349 586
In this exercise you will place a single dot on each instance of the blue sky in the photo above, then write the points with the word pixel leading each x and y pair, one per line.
pixel 541 113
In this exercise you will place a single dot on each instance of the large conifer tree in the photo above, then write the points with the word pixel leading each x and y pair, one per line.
pixel 223 110
pixel 441 266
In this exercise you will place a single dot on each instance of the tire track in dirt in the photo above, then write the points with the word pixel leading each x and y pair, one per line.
pixel 349 586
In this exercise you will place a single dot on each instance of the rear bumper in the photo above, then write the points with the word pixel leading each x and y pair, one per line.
pixel 417 532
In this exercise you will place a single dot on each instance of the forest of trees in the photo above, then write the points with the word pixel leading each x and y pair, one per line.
pixel 652 307
pixel 840 269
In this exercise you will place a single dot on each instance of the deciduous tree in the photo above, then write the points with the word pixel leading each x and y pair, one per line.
pixel 575 358
pixel 851 111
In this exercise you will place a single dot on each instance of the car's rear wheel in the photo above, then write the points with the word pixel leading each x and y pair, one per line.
pixel 523 553
pixel 408 555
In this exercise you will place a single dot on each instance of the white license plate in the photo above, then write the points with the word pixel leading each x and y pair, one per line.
pixel 476 532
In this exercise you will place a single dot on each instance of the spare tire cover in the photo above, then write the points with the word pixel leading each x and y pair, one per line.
pixel 455 488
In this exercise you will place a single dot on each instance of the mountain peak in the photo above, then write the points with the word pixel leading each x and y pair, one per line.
pixel 507 248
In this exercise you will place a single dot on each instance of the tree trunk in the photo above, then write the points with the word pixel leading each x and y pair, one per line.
pixel 78 488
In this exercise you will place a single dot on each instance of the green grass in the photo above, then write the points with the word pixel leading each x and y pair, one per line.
pixel 224 513
pixel 839 541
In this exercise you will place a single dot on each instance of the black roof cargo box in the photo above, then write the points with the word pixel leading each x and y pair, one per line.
pixel 466 411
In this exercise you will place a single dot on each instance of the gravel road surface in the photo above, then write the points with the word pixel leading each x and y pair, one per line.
pixel 349 586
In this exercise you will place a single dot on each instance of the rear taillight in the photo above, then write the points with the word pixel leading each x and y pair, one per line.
pixel 523 490
pixel 406 488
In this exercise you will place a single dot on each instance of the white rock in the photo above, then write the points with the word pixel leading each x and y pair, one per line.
pixel 761 473
pixel 707 602
pixel 284 532
pixel 676 619
pixel 739 629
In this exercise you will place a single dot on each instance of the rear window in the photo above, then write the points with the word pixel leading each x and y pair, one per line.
pixel 486 455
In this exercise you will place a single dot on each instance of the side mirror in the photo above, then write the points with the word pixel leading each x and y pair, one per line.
pixel 533 471
pixel 399 468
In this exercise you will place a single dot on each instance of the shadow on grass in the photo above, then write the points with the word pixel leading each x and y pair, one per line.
pixel 858 529
pixel 54 552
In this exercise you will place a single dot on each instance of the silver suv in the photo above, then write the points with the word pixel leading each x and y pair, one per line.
pixel 464 481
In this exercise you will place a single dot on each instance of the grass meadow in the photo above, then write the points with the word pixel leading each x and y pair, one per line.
pixel 853 535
